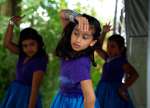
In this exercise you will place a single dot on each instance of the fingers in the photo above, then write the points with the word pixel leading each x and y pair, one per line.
pixel 83 24
pixel 107 27
pixel 16 18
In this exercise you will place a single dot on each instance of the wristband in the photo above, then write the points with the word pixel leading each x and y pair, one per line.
pixel 70 14
pixel 11 22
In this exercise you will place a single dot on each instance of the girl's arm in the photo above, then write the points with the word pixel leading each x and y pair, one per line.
pixel 9 35
pixel 131 75
pixel 88 93
pixel 100 51
pixel 36 81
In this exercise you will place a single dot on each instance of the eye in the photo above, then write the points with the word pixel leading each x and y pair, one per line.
pixel 76 33
pixel 85 37
pixel 24 45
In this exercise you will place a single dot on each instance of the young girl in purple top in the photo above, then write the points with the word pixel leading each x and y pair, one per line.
pixel 111 91
pixel 76 52
pixel 32 62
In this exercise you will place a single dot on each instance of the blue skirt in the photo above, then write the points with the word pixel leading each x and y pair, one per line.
pixel 18 96
pixel 62 100
pixel 107 95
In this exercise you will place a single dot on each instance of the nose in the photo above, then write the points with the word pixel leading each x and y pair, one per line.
pixel 29 48
pixel 78 39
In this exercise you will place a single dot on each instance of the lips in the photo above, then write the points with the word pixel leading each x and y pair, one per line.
pixel 76 45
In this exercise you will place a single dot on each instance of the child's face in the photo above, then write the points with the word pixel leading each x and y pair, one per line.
pixel 30 47
pixel 113 49
pixel 81 40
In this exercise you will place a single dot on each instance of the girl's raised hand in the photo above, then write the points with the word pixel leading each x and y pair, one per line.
pixel 82 23
pixel 15 20
pixel 107 28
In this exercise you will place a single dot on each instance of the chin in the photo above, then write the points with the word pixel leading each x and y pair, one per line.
pixel 30 55
pixel 77 50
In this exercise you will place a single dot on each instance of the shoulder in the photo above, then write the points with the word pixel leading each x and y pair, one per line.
pixel 40 60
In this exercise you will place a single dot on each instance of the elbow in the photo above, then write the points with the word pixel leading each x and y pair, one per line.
pixel 7 45
pixel 136 76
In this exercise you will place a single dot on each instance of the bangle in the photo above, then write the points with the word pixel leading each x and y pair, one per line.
pixel 11 22
pixel 70 14
pixel 71 18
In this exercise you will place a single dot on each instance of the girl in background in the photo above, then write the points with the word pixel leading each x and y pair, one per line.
pixel 32 62
pixel 111 91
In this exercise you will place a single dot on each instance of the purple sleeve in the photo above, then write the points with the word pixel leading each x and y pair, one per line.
pixel 39 64
pixel 81 70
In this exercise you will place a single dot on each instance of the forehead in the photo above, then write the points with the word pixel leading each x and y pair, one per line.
pixel 112 43
pixel 28 41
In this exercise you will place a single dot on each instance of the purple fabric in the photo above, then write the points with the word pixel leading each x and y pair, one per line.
pixel 113 69
pixel 72 72
pixel 24 72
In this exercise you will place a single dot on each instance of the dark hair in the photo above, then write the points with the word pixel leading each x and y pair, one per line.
pixel 30 33
pixel 119 41
pixel 64 48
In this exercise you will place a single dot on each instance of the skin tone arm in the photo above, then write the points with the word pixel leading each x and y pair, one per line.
pixel 9 35
pixel 132 75
pixel 100 51
pixel 37 78
pixel 88 93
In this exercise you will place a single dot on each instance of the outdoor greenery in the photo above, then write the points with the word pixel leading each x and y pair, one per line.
pixel 42 15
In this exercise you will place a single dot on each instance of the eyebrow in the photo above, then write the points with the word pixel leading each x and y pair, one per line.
pixel 76 29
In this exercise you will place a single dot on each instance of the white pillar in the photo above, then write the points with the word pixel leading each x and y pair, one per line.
pixel 148 62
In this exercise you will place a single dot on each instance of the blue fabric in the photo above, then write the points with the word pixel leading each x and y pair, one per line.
pixel 113 69
pixel 107 95
pixel 17 96
pixel 62 100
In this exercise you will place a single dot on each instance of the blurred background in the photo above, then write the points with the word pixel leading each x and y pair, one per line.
pixel 43 16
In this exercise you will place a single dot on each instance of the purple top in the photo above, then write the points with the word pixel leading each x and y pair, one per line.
pixel 24 72
pixel 113 69
pixel 72 72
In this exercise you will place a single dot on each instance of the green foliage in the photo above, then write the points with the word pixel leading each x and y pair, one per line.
pixel 2 1
pixel 96 71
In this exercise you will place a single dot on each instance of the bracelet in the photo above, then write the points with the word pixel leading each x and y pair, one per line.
pixel 71 18
pixel 70 14
pixel 11 22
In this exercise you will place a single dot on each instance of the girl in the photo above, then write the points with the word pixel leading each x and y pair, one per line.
pixel 31 65
pixel 111 92
pixel 76 51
